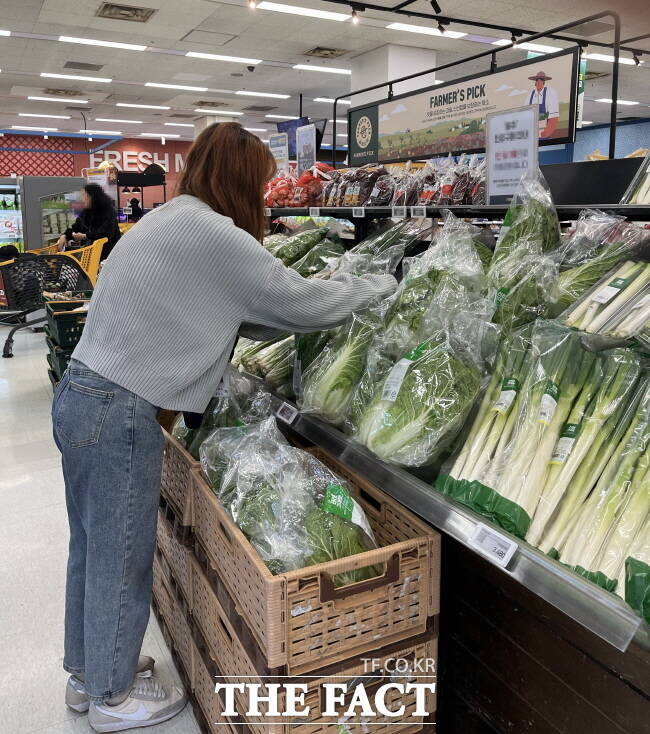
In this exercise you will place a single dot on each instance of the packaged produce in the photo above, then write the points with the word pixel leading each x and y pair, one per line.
pixel 476 193
pixel 462 182
pixel 330 189
pixel 522 273
pixel 299 244
pixel 292 508
pixel 407 189
pixel 308 190
pixel 361 184
pixel 279 192
pixel 429 184
pixel 324 255
pixel 382 192
pixel 273 242
pixel 634 581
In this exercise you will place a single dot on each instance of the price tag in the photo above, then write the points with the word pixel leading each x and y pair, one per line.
pixel 314 211
pixel 605 295
pixel 287 413
pixel 418 211
pixel 395 379
pixel 399 212
pixel 267 212
pixel 492 545
pixel 359 212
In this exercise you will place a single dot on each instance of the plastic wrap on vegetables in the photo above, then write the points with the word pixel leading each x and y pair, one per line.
pixel 407 189
pixel 293 509
pixel 634 581
pixel 273 242
pixel 323 256
pixel 362 184
pixel 299 244
pixel 382 192
pixel 429 184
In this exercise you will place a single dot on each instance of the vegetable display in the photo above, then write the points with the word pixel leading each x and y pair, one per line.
pixel 322 256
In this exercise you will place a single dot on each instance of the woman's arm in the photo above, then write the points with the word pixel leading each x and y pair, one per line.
pixel 292 303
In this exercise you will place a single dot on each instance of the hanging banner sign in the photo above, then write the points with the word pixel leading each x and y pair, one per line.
pixel 106 177
pixel 450 118
pixel 279 146
pixel 511 150
pixel 306 147
pixel 582 75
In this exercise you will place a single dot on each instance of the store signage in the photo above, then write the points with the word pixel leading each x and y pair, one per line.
pixel 511 150
pixel 363 134
pixel 306 147
pixel 138 160
pixel 582 76
pixel 279 146
pixel 450 118
pixel 106 177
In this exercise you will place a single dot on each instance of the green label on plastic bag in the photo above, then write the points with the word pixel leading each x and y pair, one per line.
pixel 565 443
pixel 509 389
pixel 338 501
pixel 548 403
pixel 416 353
pixel 501 296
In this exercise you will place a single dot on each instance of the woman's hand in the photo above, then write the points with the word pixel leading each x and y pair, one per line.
pixel 78 236
pixel 62 242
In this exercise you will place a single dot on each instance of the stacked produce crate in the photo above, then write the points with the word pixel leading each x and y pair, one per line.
pixel 226 616
pixel 65 322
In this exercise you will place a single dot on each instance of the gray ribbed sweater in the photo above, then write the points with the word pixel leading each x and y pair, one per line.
pixel 175 291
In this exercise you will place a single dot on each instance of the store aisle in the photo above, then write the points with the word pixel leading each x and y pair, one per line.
pixel 33 550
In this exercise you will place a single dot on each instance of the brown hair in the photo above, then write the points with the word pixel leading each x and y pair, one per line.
pixel 227 168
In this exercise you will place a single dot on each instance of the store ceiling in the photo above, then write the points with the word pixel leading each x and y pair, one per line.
pixel 230 27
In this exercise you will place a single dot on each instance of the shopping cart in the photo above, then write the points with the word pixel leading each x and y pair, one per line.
pixel 22 282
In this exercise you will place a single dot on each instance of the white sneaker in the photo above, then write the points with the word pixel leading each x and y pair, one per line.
pixel 76 697
pixel 150 702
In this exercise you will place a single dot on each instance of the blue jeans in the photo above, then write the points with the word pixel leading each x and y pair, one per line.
pixel 112 450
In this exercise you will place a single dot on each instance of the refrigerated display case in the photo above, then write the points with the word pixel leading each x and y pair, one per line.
pixel 58 212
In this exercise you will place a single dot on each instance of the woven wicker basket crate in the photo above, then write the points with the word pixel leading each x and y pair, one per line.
pixel 177 556
pixel 299 619
pixel 227 641
pixel 176 477
pixel 209 702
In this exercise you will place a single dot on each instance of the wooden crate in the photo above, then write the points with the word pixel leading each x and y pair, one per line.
pixel 177 554
pixel 228 641
pixel 300 619
pixel 176 478
pixel 210 705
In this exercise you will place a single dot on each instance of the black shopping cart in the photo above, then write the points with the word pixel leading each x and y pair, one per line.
pixel 22 282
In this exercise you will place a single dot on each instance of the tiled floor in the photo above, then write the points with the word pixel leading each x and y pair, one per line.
pixel 33 550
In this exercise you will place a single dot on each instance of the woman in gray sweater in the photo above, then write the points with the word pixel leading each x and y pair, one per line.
pixel 171 300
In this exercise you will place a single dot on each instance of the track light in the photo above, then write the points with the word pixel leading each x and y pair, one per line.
pixel 441 28
pixel 436 7
pixel 355 17
pixel 636 58
pixel 513 40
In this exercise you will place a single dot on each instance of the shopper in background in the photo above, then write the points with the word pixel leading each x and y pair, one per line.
pixel 162 322
pixel 136 210
pixel 97 220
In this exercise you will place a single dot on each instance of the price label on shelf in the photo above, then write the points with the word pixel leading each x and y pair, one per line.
pixel 399 212
pixel 418 211
pixel 287 413
pixel 314 211
pixel 358 212
pixel 492 544
pixel 267 212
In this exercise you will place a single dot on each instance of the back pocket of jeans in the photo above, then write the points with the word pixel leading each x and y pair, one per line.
pixel 80 414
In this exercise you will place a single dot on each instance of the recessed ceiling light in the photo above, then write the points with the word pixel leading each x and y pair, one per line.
pixel 158 135
pixel 297 10
pixel 113 119
pixel 219 57
pixel 256 129
pixel 282 117
pixel 331 100
pixel 605 100
pixel 101 132
pixel 427 31
pixel 176 86
pixel 5 33
pixel 143 106
pixel 179 124
pixel 228 113
pixel 53 117
pixel 38 129
pixel 108 44
pixel 263 94
pixel 58 99
pixel 606 57
pixel 101 80
pixel 326 69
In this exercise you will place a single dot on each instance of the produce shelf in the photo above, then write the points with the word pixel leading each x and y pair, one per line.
pixel 602 613
pixel 569 212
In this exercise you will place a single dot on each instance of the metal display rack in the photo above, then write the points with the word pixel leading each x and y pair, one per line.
pixel 604 614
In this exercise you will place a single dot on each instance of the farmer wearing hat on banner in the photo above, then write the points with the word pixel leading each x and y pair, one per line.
pixel 549 104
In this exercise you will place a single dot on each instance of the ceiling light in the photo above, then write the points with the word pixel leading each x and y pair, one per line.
pixel 37 129
pixel 53 117
pixel 341 135
pixel 326 69
pixel 179 124
pixel 355 17
pixel 610 59
pixel 252 4
pixel 5 33
pixel 340 122
pixel 539 47
pixel 618 101
pixel 114 119
pixel 427 31
pixel 282 117
pixel 158 135
pixel 176 86
pixel 108 44
pixel 587 122
pixel 58 99
pixel 257 129
pixel 228 113
pixel 263 94
pixel 441 29
pixel 636 60
pixel 100 132
pixel 297 10
pixel 331 100
pixel 99 79
pixel 219 57
pixel 143 106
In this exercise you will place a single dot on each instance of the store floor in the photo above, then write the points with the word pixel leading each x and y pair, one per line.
pixel 33 551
